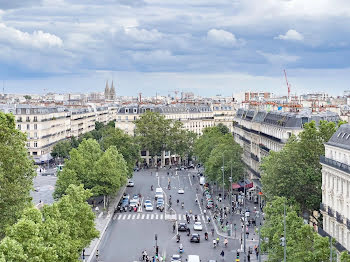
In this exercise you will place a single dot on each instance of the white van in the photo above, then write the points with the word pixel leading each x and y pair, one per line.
pixel 159 192
pixel 202 180
pixel 193 258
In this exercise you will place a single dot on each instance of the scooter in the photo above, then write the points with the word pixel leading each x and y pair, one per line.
pixel 181 249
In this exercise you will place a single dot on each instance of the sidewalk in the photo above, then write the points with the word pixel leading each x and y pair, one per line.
pixel 102 220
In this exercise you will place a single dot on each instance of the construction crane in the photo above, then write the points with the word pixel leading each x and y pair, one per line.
pixel 288 85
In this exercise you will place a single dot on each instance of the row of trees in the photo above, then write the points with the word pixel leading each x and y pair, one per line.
pixel 295 171
pixel 293 177
pixel 216 148
pixel 56 233
pixel 155 133
pixel 106 136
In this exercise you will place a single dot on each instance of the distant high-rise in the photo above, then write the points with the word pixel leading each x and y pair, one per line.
pixel 110 92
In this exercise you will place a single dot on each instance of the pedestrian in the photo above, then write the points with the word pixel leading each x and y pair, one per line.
pixel 248 257
pixel 222 254
pixel 97 255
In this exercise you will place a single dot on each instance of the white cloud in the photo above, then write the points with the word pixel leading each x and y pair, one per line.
pixel 292 35
pixel 280 58
pixel 37 39
pixel 223 38
pixel 156 56
pixel 143 35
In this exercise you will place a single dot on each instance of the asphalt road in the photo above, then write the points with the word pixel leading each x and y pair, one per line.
pixel 132 232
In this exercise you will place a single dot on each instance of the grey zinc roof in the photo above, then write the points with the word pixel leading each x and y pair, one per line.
pixel 250 114
pixel 341 138
pixel 178 109
pixel 259 117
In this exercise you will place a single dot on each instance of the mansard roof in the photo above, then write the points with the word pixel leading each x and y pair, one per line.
pixel 341 138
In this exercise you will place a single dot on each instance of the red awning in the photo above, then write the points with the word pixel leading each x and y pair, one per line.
pixel 236 186
pixel 250 185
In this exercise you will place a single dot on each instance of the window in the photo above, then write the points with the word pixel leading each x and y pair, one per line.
pixel 19 119
pixel 35 126
pixel 126 110
pixel 42 152
pixel 35 153
pixel 35 144
pixel 28 126
pixel 135 110
pixel 27 119
pixel 35 119
pixel 35 134
pixel 19 127
pixel 126 118
pixel 27 111
pixel 28 144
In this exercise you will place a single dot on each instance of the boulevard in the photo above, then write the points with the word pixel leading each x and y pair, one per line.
pixel 130 233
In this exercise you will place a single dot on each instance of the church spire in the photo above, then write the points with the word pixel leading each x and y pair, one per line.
pixel 107 90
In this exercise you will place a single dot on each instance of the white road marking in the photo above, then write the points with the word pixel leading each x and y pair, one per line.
pixel 143 216
pixel 133 216
pixel 156 216
pixel 138 216
pixel 152 216
pixel 147 216
pixel 189 178
pixel 161 216
pixel 123 217
pixel 184 217
pixel 129 216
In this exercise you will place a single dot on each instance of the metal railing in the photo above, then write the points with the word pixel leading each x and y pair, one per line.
pixel 335 164
pixel 330 212
pixel 348 223
pixel 339 217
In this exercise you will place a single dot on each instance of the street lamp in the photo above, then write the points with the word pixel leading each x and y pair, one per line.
pixel 156 238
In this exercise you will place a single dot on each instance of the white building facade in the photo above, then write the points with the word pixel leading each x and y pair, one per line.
pixel 335 206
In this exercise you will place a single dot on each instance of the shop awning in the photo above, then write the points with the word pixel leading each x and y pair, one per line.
pixel 236 186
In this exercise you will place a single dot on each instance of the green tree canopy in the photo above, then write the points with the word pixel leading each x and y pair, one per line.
pixel 16 172
pixel 89 165
pixel 125 144
pixel 303 244
pixel 295 171
pixel 56 233
pixel 62 149
pixel 151 131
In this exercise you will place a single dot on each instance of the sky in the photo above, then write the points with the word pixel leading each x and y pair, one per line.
pixel 209 47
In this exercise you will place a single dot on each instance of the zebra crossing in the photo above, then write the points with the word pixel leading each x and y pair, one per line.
pixel 151 216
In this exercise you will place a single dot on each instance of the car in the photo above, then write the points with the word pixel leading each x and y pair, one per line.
pixel 211 260
pixel 160 203
pixel 197 226
pixel 181 191
pixel 182 227
pixel 126 196
pixel 146 202
pixel 130 183
pixel 195 238
pixel 159 193
pixel 210 205
pixel 134 203
pixel 175 258
pixel 136 197
pixel 149 207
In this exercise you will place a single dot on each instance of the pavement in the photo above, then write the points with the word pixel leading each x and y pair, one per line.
pixel 44 185
pixel 130 233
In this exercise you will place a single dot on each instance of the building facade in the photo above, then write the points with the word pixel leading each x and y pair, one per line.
pixel 259 132
pixel 335 206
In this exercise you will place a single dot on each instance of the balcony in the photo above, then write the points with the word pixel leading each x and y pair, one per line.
pixel 339 217
pixel 348 223
pixel 323 207
pixel 256 158
pixel 264 148
pixel 336 164
pixel 330 212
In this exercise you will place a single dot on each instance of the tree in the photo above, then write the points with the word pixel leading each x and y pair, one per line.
pixel 223 129
pixel 295 171
pixel 62 149
pixel 102 172
pixel 16 172
pixel 27 97
pixel 303 244
pixel 345 257
pixel 98 125
pixel 229 153
pixel 125 144
pixel 56 233
pixel 206 142
pixel 151 131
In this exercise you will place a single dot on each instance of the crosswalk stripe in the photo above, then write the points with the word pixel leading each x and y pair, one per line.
pixel 161 216
pixel 152 216
pixel 124 217
pixel 133 216
pixel 143 216
pixel 184 217
pixel 203 217
pixel 129 216
pixel 119 217
pixel 156 216
pixel 147 216
pixel 138 216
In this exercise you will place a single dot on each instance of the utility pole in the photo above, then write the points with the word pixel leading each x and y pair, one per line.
pixel 331 256
pixel 285 236
pixel 244 226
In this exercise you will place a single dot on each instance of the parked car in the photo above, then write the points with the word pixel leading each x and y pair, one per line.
pixel 195 238
pixel 197 226
pixel 160 204
pixel 134 203
pixel 146 202
pixel 130 183
pixel 182 227
pixel 176 258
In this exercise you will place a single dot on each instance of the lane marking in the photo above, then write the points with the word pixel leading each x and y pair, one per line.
pixel 124 216
pixel 152 216
pixel 133 216
pixel 143 216
pixel 161 216
pixel 147 216
pixel 138 216
pixel 156 216
pixel 189 178
pixel 129 216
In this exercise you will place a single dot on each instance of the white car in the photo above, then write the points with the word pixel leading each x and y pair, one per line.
pixel 147 202
pixel 198 226
pixel 181 191
pixel 148 207
pixel 176 258
pixel 130 183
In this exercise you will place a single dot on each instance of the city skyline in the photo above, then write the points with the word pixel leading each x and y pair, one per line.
pixel 152 46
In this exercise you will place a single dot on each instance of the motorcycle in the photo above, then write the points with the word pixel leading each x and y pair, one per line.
pixel 178 238
pixel 181 249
